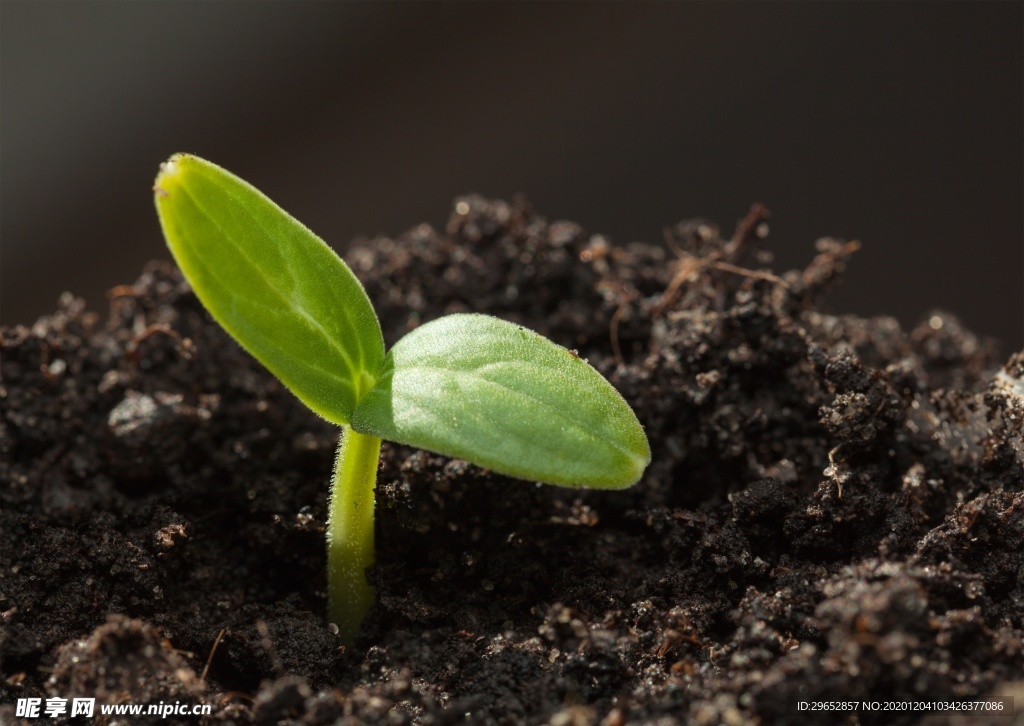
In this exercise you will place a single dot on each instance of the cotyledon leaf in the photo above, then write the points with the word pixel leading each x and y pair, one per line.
pixel 271 284
pixel 503 397
pixel 277 288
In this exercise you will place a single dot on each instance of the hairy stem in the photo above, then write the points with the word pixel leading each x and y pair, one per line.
pixel 350 532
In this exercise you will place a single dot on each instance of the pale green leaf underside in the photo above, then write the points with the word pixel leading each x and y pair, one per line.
pixel 505 398
pixel 282 293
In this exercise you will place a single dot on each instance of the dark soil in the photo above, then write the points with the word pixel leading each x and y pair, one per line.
pixel 833 511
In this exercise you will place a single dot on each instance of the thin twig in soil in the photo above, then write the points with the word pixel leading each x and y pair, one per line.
pixel 747 231
pixel 614 330
pixel 756 274
pixel 209 658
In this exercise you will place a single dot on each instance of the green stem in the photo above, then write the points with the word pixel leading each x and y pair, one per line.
pixel 350 532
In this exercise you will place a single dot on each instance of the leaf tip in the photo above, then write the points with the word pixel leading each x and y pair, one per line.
pixel 170 170
pixel 633 467
pixel 170 175
pixel 641 460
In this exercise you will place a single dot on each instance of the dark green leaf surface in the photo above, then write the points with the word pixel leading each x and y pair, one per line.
pixel 282 293
pixel 505 398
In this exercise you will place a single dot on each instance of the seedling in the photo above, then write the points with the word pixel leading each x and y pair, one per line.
pixel 468 386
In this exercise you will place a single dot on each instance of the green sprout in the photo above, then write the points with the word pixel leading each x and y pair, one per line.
pixel 467 386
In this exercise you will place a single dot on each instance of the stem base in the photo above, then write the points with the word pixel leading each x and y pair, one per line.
pixel 350 544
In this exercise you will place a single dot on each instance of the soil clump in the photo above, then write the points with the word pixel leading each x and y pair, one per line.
pixel 833 511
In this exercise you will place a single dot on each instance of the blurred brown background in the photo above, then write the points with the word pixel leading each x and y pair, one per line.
pixel 896 124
